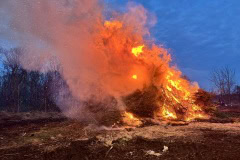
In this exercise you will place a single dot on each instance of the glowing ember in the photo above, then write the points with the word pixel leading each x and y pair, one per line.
pixel 129 119
pixel 134 76
pixel 167 114
pixel 195 116
pixel 169 89
pixel 137 50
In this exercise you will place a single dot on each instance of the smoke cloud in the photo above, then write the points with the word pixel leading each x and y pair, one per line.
pixel 93 52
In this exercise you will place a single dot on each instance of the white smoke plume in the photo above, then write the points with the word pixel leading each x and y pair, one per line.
pixel 72 33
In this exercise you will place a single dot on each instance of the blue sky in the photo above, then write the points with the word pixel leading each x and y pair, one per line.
pixel 201 34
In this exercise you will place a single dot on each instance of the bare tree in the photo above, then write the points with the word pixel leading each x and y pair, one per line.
pixel 229 75
pixel 11 62
pixel 224 80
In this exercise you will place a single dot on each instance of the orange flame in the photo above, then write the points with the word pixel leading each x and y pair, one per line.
pixel 167 114
pixel 137 50
pixel 134 76
pixel 113 24
pixel 129 119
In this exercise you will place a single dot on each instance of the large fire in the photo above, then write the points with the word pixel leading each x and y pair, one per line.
pixel 178 102
pixel 104 55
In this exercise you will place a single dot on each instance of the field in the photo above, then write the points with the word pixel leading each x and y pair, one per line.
pixel 52 136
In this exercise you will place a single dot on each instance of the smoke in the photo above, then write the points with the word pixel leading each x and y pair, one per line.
pixel 95 57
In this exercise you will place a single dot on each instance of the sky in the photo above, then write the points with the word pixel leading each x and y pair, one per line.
pixel 201 34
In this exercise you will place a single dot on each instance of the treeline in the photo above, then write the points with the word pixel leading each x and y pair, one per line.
pixel 22 90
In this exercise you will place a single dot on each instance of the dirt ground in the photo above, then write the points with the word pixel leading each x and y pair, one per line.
pixel 51 136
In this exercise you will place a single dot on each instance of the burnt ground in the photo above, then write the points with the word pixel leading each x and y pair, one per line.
pixel 51 136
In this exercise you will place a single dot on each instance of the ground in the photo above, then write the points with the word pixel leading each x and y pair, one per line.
pixel 51 136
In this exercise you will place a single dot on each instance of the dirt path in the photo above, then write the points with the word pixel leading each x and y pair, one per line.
pixel 67 139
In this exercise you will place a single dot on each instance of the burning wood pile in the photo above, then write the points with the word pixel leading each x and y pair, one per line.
pixel 162 93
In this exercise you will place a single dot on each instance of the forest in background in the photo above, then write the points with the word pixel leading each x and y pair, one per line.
pixel 22 90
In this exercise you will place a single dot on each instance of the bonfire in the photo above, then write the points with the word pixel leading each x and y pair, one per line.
pixel 162 91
